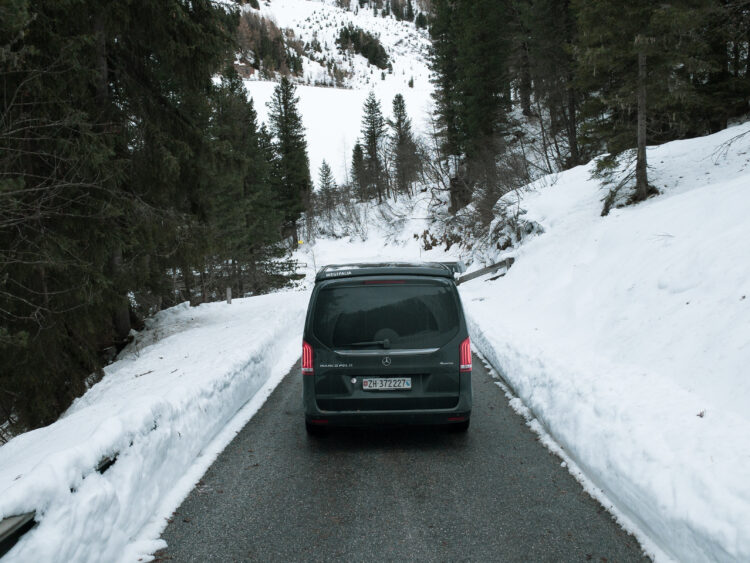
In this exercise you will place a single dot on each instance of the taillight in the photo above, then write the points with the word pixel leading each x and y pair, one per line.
pixel 307 359
pixel 465 356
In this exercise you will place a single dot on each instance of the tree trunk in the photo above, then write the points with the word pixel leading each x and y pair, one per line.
pixel 204 291
pixel 102 84
pixel 572 126
pixel 641 172
pixel 121 307
pixel 524 88
pixel 121 314
pixel 187 277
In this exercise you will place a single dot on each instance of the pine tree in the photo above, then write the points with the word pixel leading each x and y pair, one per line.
pixel 293 168
pixel 545 38
pixel 469 59
pixel 409 11
pixel 637 70
pixel 359 175
pixel 116 107
pixel 373 132
pixel 403 148
pixel 443 61
pixel 327 190
pixel 243 221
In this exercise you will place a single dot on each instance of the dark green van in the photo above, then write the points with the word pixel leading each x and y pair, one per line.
pixel 386 344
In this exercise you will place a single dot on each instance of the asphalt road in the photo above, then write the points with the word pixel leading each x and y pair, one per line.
pixel 411 494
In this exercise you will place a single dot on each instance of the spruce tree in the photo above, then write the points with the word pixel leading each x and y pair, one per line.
pixel 483 81
pixel 110 157
pixel 326 190
pixel 359 175
pixel 469 59
pixel 545 34
pixel 243 220
pixel 373 132
pixel 293 167
pixel 403 148
pixel 635 69
pixel 443 62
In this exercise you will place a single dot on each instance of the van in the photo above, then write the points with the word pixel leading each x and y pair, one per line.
pixel 386 344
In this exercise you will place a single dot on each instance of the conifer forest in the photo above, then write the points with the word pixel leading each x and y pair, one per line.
pixel 135 173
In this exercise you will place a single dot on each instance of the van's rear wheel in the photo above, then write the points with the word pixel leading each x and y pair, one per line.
pixel 315 429
pixel 459 426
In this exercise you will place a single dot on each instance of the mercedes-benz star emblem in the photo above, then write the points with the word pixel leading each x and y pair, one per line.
pixel 387 361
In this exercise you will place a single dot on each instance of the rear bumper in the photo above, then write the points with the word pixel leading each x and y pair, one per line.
pixel 383 419
pixel 456 415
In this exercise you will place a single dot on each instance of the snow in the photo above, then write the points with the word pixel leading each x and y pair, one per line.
pixel 166 409
pixel 332 116
pixel 628 338
pixel 624 340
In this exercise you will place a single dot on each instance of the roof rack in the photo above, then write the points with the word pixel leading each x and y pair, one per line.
pixel 457 267
pixel 439 269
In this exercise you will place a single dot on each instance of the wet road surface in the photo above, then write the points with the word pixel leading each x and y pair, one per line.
pixel 408 494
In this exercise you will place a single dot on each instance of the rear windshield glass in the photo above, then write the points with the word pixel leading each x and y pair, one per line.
pixel 405 316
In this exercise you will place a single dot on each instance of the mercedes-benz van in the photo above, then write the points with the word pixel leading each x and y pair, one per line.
pixel 386 344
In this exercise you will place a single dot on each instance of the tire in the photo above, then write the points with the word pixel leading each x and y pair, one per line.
pixel 459 427
pixel 315 430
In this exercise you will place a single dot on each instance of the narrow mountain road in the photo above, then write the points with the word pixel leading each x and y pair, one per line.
pixel 409 494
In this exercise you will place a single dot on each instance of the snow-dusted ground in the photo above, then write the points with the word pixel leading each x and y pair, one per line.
pixel 624 341
pixel 332 117
pixel 166 409
pixel 627 339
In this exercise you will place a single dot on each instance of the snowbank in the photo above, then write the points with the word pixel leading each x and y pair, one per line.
pixel 166 411
pixel 628 337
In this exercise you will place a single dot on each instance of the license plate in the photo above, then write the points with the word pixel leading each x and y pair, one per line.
pixel 386 383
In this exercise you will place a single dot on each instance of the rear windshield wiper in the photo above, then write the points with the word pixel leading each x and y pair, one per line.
pixel 384 343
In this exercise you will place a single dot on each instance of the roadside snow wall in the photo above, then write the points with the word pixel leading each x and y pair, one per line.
pixel 160 411
pixel 628 337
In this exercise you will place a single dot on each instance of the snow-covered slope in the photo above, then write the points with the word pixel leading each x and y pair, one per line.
pixel 628 338
pixel 332 117
pixel 166 410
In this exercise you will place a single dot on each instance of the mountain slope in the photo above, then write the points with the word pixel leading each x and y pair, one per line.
pixel 332 117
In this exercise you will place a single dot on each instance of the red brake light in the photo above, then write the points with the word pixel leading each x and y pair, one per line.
pixel 307 359
pixel 465 356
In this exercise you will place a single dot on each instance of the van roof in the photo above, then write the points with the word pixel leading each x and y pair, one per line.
pixel 434 269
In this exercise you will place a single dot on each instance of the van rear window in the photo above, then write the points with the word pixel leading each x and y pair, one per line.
pixel 403 316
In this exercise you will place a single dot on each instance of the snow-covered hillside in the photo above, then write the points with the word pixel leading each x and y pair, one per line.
pixel 165 409
pixel 623 339
pixel 332 117
pixel 628 338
